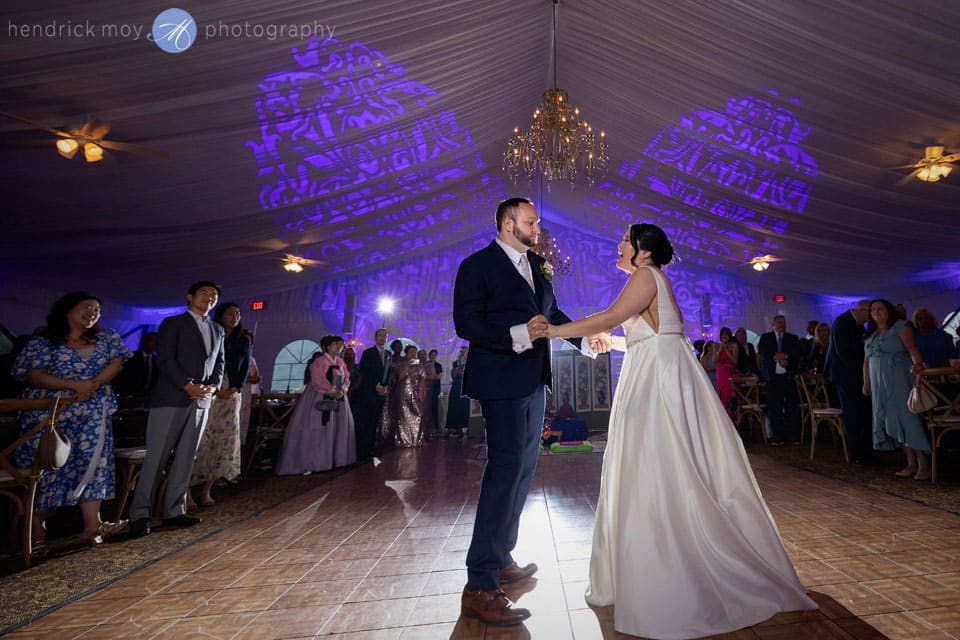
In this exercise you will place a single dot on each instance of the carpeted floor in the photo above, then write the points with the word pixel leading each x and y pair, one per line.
pixel 71 569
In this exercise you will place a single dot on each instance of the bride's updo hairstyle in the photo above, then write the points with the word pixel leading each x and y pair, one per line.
pixel 650 237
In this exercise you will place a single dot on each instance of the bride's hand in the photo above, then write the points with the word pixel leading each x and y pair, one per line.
pixel 601 343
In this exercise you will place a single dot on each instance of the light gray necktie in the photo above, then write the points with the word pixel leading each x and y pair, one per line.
pixel 525 270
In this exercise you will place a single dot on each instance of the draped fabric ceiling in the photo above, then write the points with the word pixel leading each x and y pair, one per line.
pixel 744 128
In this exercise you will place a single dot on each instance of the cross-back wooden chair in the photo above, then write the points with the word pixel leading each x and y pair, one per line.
pixel 813 390
pixel 274 414
pixel 803 405
pixel 944 384
pixel 17 484
pixel 746 390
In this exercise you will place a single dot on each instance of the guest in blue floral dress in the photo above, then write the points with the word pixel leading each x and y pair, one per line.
pixel 889 350
pixel 75 357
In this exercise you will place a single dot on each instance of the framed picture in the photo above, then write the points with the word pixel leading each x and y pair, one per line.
pixel 601 383
pixel 475 411
pixel 584 389
pixel 564 388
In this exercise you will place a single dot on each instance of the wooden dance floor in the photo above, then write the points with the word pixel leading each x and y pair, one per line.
pixel 378 554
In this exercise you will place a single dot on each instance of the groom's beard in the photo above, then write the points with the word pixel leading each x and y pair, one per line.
pixel 527 240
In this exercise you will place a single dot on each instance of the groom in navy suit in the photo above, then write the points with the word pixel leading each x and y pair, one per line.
pixel 503 296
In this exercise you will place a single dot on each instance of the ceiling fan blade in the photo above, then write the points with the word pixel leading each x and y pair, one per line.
pixel 273 244
pixel 132 148
pixel 953 157
pixel 908 166
pixel 37 125
pixel 95 129
pixel 907 178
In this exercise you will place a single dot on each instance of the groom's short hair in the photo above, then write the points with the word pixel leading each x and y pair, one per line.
pixel 510 208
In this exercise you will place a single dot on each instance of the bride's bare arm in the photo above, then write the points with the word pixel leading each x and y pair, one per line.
pixel 635 296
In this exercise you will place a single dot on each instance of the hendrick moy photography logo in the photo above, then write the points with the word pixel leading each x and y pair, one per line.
pixel 173 30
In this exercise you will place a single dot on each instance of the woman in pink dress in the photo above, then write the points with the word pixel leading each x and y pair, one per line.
pixel 321 432
pixel 727 368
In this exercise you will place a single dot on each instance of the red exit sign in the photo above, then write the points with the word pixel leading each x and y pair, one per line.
pixel 779 298
pixel 258 305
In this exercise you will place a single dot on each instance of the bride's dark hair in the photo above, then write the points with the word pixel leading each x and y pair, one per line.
pixel 650 237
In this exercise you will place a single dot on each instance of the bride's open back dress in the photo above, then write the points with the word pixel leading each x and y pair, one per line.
pixel 684 545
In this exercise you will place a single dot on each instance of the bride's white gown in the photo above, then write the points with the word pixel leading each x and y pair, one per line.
pixel 683 545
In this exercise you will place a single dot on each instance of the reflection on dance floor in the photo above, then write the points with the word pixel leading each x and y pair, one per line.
pixel 379 551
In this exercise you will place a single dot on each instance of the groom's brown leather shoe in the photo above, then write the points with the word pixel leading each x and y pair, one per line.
pixel 491 607
pixel 514 572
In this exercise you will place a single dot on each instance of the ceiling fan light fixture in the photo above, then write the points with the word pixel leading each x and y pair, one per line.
pixel 67 147
pixel 292 266
pixel 92 152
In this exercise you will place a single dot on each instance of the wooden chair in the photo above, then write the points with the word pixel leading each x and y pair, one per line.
pixel 944 384
pixel 803 405
pixel 813 390
pixel 746 390
pixel 20 485
pixel 274 414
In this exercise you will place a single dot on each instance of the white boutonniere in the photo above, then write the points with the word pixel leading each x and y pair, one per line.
pixel 546 270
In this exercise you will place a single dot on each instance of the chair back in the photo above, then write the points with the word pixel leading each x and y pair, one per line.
pixel 12 408
pixel 944 384
pixel 275 410
pixel 746 389
pixel 813 387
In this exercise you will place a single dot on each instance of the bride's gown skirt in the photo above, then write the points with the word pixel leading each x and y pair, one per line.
pixel 683 545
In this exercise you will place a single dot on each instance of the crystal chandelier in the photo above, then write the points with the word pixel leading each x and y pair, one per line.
pixel 559 144
pixel 547 249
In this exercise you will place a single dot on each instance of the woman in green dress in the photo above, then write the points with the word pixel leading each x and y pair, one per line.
pixel 891 356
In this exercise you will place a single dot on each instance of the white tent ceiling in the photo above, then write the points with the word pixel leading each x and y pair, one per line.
pixel 743 127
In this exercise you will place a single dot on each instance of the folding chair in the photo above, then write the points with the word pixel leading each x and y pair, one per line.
pixel 944 384
pixel 813 388
pixel 746 390
pixel 20 485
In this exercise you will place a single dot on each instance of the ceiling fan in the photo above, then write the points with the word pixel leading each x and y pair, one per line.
pixel 295 264
pixel 932 167
pixel 762 263
pixel 91 137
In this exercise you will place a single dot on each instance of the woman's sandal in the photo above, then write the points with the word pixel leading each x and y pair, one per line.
pixel 922 475
pixel 104 531
pixel 906 473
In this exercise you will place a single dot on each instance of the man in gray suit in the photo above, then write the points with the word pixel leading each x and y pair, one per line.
pixel 190 359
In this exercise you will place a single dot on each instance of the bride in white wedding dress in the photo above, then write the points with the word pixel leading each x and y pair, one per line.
pixel 683 544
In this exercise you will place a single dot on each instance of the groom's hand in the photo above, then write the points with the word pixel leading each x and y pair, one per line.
pixel 601 343
pixel 537 327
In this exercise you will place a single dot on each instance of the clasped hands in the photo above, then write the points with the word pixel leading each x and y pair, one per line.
pixel 538 327
pixel 199 391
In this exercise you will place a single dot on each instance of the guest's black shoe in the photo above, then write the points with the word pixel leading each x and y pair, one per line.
pixel 140 527
pixel 183 520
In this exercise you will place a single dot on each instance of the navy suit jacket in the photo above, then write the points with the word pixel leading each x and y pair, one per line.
pixel 489 297
pixel 371 372
pixel 183 358
pixel 132 379
pixel 844 363
pixel 789 344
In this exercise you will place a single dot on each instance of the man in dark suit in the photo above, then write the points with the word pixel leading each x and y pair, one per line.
pixel 140 371
pixel 779 357
pixel 844 369
pixel 191 359
pixel 374 362
pixel 502 296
